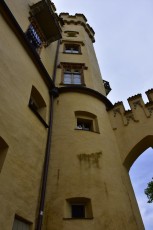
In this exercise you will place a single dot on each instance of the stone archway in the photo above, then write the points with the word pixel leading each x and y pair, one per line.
pixel 137 150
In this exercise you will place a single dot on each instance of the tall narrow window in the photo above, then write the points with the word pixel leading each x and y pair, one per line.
pixel 20 224
pixel 3 152
pixel 38 105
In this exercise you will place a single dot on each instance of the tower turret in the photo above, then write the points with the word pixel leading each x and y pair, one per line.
pixel 86 189
pixel 78 64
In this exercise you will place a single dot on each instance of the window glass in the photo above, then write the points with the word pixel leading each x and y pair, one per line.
pixel 72 48
pixel 78 210
pixel 20 225
pixel 86 121
pixel 84 124
pixel 72 77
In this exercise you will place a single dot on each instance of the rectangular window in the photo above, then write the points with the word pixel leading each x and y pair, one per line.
pixel 72 76
pixel 85 124
pixel 20 224
pixel 86 121
pixel 72 48
pixel 72 73
pixel 78 208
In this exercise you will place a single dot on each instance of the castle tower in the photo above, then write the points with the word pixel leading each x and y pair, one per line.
pixel 65 150
pixel 88 187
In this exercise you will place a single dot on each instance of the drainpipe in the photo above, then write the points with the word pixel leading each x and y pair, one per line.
pixel 53 93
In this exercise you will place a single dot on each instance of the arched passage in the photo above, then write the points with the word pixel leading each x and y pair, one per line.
pixel 137 150
pixel 140 174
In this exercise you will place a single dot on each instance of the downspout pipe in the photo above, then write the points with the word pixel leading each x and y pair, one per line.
pixel 53 93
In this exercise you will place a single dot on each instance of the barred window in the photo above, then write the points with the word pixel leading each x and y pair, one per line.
pixel 33 37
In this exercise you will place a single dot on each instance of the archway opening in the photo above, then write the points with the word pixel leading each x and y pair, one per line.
pixel 141 173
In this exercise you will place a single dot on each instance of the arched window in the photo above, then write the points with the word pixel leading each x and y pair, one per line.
pixel 78 208
pixel 3 152
pixel 86 121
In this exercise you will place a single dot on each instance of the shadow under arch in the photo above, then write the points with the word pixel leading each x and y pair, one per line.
pixel 137 150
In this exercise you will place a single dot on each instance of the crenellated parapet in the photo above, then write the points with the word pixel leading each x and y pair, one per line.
pixel 78 19
pixel 139 111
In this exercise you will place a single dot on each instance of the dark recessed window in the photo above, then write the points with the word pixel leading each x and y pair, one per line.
pixel 3 152
pixel 78 210
pixel 84 124
pixel 33 37
pixel 38 105
pixel 72 48
pixel 72 73
pixel 86 121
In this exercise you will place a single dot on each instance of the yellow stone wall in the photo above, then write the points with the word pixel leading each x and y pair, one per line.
pixel 84 164
pixel 20 128
pixel 87 164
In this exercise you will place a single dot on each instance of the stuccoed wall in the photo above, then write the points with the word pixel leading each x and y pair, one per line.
pixel 104 181
pixel 23 132
pixel 133 128
pixel 21 11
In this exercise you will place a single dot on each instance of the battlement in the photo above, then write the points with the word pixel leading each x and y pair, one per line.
pixel 78 19
pixel 138 110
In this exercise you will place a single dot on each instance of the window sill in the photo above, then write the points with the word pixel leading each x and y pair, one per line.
pixel 72 53
pixel 87 130
pixel 82 84
pixel 90 218
pixel 39 117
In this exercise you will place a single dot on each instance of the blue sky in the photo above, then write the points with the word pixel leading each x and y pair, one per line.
pixel 124 49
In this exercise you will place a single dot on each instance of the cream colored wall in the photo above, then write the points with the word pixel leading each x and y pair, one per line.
pixel 133 129
pixel 104 182
pixel 25 135
pixel 20 10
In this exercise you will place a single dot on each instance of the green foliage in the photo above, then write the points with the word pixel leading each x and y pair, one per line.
pixel 149 191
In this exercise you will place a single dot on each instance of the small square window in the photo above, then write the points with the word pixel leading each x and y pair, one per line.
pixel 78 210
pixel 86 121
pixel 84 124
